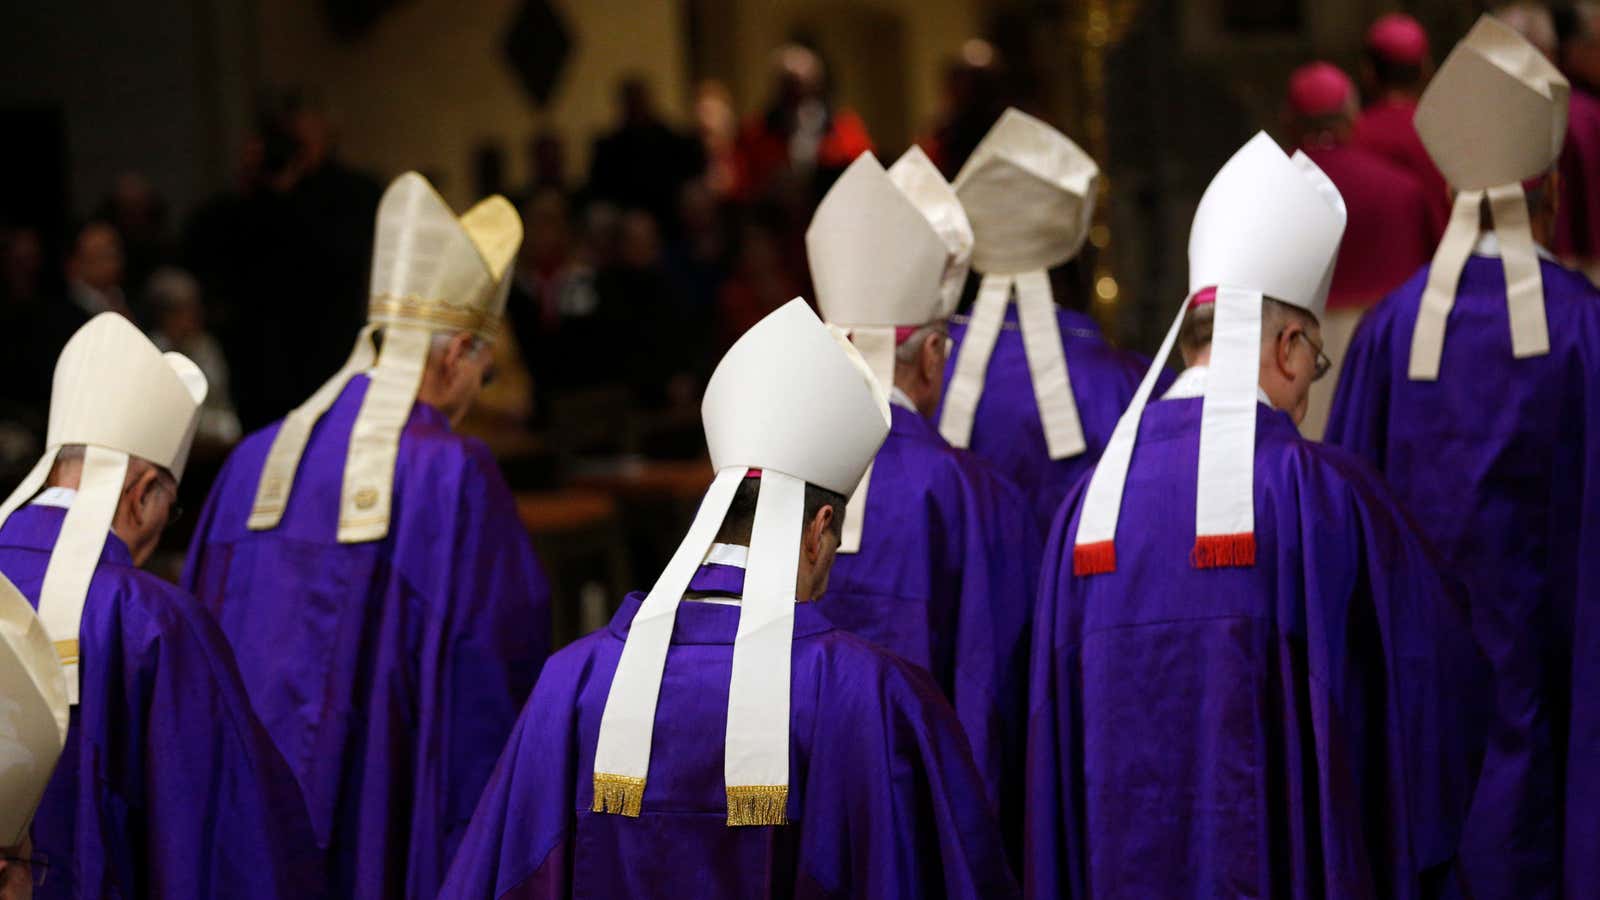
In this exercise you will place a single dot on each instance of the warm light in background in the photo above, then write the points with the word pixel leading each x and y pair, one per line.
pixel 1100 235
pixel 977 53
pixel 1105 289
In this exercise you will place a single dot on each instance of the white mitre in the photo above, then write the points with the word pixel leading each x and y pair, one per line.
pixel 1029 193
pixel 1267 226
pixel 34 713
pixel 796 401
pixel 1493 116
pixel 885 257
pixel 120 397
pixel 432 273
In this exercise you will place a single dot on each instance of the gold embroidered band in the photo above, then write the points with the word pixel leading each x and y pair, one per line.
pixel 436 315
pixel 67 651
pixel 619 795
pixel 757 804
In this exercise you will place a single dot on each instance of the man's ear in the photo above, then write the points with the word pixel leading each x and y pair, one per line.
pixel 931 357
pixel 815 530
pixel 457 349
pixel 140 491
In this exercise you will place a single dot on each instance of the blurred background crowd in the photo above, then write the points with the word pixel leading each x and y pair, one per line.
pixel 211 169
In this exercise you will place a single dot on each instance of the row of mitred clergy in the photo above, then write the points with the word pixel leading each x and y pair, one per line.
pixel 1263 683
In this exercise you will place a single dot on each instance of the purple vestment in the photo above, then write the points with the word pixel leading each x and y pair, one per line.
pixel 884 799
pixel 945 579
pixel 1006 429
pixel 168 786
pixel 1297 728
pixel 390 672
pixel 1499 461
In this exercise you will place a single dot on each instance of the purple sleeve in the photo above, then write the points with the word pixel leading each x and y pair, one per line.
pixel 998 572
pixel 1358 420
pixel 222 812
pixel 497 636
pixel 517 844
pixel 1051 867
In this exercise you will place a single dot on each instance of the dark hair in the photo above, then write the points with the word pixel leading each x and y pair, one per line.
pixel 1391 74
pixel 1199 322
pixel 741 517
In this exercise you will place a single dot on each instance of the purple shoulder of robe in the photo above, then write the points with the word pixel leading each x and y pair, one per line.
pixel 946 578
pixel 168 786
pixel 1299 728
pixel 884 799
pixel 1006 429
pixel 1499 462
pixel 389 673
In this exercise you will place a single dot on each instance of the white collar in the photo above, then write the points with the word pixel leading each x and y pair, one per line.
pixel 1489 245
pixel 901 399
pixel 735 555
pixel 60 497
pixel 1191 382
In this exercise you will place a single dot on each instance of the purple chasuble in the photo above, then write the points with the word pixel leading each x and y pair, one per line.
pixel 1298 728
pixel 1006 430
pixel 389 672
pixel 884 799
pixel 946 578
pixel 168 786
pixel 1499 461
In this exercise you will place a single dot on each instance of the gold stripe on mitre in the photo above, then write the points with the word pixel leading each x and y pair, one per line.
pixel 434 315
pixel 758 804
pixel 620 795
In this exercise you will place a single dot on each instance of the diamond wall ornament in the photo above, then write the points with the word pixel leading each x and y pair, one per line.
pixel 538 46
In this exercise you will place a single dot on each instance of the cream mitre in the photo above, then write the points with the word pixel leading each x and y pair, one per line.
pixel 1267 226
pixel 1029 193
pixel 33 713
pixel 886 252
pixel 432 273
pixel 119 396
pixel 795 400
pixel 1493 116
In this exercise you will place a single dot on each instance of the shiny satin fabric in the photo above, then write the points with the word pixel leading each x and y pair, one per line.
pixel 884 799
pixel 168 785
pixel 1006 429
pixel 390 672
pixel 1299 728
pixel 1499 462
pixel 945 579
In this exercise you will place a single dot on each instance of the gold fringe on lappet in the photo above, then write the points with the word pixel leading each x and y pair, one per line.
pixel 617 794
pixel 758 804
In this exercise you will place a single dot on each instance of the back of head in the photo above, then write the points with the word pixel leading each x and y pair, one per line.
pixel 1396 48
pixel 1268 226
pixel 1029 193
pixel 432 273
pixel 1494 116
pixel 121 399
pixel 794 400
pixel 1321 102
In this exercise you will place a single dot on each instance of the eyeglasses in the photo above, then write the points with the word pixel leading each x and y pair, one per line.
pixel 175 509
pixel 38 867
pixel 1323 363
